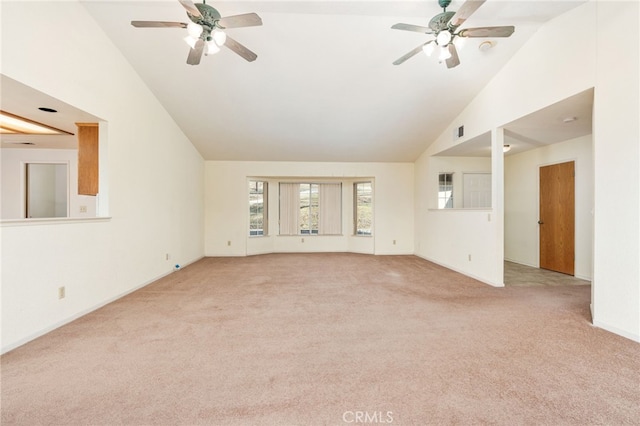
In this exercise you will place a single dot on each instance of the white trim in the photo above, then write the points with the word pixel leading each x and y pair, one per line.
pixel 618 331
pixel 52 221
pixel 521 263
pixel 583 277
pixel 460 209
pixel 482 280
pixel 84 312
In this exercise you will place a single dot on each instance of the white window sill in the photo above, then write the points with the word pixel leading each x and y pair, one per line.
pixel 52 221
pixel 470 209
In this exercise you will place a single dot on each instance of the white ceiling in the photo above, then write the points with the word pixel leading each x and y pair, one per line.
pixel 568 119
pixel 23 101
pixel 323 87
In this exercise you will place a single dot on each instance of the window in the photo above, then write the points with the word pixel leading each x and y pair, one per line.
pixel 258 207
pixel 310 208
pixel 362 208
pixel 445 190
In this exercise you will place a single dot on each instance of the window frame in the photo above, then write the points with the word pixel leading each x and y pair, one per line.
pixel 325 209
pixel 314 209
pixel 265 207
pixel 355 209
pixel 445 201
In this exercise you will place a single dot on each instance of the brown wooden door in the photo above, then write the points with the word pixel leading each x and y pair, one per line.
pixel 557 217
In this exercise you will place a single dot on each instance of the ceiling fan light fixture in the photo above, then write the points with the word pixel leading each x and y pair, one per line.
pixel 220 37
pixel 205 20
pixel 506 148
pixel 428 49
pixel 443 38
pixel 445 27
pixel 460 42
pixel 212 48
pixel 444 53
pixel 194 29
pixel 191 41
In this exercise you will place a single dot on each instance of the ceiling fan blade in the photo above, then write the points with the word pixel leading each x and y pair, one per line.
pixel 158 24
pixel 191 7
pixel 410 54
pixel 453 61
pixel 409 27
pixel 464 12
pixel 196 53
pixel 237 21
pixel 488 31
pixel 240 49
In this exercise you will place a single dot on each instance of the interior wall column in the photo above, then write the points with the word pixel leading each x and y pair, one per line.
pixel 102 208
pixel 497 198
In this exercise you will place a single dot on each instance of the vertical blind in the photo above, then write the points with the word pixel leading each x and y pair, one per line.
pixel 289 208
pixel 329 221
pixel 330 208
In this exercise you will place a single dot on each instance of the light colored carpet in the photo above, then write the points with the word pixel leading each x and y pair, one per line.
pixel 327 339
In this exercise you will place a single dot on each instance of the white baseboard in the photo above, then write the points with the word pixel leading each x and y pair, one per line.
pixel 521 263
pixel 84 312
pixel 583 277
pixel 493 284
pixel 615 330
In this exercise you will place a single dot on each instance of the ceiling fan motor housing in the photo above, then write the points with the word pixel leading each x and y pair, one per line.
pixel 208 21
pixel 440 22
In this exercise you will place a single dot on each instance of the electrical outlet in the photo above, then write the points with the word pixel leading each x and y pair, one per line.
pixel 229 242
pixel 167 257
pixel 303 240
pixel 83 209
pixel 61 292
pixel 394 242
pixel 469 258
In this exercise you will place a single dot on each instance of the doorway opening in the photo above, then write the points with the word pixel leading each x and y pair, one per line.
pixel 548 148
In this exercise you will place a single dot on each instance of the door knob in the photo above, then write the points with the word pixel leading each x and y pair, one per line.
pixel 540 222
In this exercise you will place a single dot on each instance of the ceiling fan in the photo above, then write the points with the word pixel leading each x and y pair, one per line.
pixel 445 28
pixel 205 31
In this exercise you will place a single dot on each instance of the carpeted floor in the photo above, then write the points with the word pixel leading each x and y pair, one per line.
pixel 327 339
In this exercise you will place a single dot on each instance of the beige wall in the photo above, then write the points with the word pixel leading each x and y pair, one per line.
pixel 521 202
pixel 226 207
pixel 163 199
pixel 458 166
pixel 538 76
pixel 154 176
pixel 13 180
pixel 616 136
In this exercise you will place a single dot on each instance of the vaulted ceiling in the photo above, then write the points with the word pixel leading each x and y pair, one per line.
pixel 323 87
